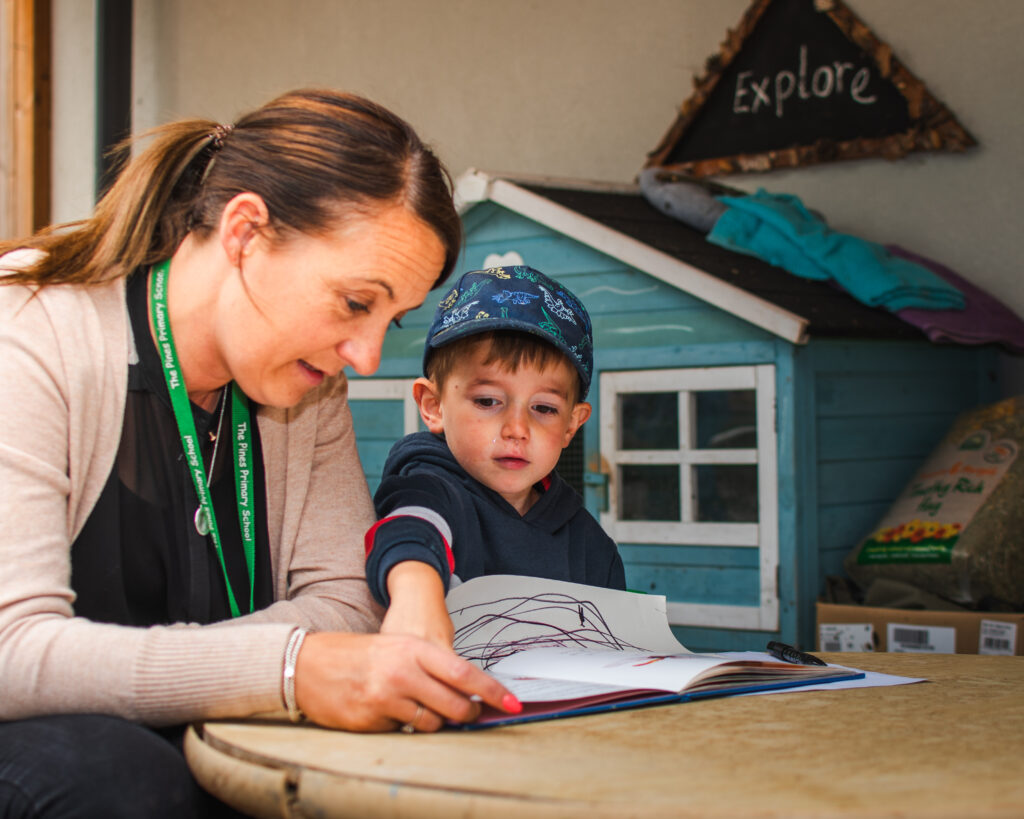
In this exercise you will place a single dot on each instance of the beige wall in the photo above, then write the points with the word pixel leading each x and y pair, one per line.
pixel 74 108
pixel 585 88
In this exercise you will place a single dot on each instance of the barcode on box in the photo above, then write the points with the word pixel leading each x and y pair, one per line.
pixel 846 637
pixel 920 639
pixel 997 637
pixel 911 636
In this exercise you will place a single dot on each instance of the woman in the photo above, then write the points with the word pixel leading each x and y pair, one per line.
pixel 182 501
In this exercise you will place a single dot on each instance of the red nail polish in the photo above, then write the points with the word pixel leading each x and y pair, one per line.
pixel 511 704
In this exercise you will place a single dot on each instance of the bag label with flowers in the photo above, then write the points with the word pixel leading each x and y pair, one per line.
pixel 925 522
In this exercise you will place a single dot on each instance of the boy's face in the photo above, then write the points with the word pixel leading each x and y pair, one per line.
pixel 505 429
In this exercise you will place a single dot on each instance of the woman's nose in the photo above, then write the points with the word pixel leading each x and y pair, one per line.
pixel 362 353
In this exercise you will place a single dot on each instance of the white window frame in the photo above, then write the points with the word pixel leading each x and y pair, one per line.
pixel 762 535
pixel 388 389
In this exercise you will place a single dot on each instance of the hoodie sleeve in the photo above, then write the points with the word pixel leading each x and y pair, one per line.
pixel 418 507
pixel 408 533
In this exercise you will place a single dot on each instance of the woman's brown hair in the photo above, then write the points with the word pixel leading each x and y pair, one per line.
pixel 315 156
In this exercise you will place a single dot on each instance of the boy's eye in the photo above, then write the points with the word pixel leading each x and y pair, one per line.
pixel 485 402
pixel 544 409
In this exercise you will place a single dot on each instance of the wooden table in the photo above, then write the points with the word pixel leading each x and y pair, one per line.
pixel 951 747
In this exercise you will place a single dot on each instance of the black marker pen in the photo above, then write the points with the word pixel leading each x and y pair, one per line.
pixel 792 655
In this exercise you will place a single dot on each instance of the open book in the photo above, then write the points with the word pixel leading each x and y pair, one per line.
pixel 564 649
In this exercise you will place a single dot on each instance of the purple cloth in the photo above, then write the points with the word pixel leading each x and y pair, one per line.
pixel 982 321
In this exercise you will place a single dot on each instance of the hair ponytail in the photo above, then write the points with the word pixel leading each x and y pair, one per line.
pixel 315 157
pixel 140 220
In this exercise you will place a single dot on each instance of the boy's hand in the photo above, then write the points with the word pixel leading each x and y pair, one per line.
pixel 417 604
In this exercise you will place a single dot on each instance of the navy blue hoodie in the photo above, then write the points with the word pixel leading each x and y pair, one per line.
pixel 433 511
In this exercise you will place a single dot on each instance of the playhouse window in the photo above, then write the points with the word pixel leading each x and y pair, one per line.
pixel 649 492
pixel 725 419
pixel 713 419
pixel 649 420
pixel 686 453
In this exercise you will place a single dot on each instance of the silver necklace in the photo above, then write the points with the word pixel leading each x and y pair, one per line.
pixel 202 520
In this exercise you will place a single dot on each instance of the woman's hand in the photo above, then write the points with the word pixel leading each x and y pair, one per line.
pixel 376 682
pixel 417 604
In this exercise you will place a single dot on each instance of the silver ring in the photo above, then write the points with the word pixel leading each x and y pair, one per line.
pixel 410 727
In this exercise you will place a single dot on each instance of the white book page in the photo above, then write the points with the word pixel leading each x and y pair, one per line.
pixel 529 689
pixel 499 615
pixel 628 668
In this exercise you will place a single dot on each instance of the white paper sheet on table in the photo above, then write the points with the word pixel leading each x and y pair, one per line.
pixel 871 679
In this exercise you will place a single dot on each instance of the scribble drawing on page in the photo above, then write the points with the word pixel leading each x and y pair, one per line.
pixel 500 628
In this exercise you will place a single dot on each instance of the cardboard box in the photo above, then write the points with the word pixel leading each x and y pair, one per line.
pixel 863 628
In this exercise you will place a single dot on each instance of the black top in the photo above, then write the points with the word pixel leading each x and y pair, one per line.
pixel 139 560
pixel 557 538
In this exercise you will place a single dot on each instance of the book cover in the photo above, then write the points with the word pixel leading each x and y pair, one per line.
pixel 565 649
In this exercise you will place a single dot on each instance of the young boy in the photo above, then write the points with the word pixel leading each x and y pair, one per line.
pixel 508 362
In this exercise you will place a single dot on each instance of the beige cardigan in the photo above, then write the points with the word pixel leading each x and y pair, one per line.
pixel 63 382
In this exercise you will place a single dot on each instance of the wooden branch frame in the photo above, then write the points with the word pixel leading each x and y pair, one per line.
pixel 933 126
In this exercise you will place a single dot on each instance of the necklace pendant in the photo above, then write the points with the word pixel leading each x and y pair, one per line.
pixel 202 520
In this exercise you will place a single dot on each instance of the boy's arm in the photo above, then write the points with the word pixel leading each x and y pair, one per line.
pixel 417 603
pixel 408 533
pixel 416 508
pixel 408 568
pixel 413 539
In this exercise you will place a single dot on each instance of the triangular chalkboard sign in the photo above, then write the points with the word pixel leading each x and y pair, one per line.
pixel 800 82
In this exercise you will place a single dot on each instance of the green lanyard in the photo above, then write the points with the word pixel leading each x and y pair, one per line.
pixel 241 442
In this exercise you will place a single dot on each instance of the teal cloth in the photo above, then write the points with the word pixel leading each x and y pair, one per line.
pixel 777 228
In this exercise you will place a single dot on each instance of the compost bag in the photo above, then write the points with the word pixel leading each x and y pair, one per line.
pixel 957 529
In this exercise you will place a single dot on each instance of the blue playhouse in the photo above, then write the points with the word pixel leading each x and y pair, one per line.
pixel 749 426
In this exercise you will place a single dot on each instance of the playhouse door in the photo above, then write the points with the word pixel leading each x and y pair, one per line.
pixel 692 495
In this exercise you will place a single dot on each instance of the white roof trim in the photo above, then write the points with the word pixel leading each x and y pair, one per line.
pixel 474 187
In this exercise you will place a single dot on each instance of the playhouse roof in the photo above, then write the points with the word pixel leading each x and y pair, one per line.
pixel 618 221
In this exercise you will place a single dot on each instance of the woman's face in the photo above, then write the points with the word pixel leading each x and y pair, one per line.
pixel 305 309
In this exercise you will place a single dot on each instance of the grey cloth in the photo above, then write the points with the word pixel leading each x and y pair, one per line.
pixel 689 202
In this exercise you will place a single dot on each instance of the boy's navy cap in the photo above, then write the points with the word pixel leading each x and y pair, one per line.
pixel 515 298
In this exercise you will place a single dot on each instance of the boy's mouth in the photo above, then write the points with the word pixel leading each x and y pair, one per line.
pixel 512 462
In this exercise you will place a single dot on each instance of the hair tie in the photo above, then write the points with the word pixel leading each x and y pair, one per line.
pixel 219 134
pixel 216 142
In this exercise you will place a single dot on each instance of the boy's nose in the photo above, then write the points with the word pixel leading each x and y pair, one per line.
pixel 515 425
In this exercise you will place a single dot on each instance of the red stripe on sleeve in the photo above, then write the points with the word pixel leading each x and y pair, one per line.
pixel 371 534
